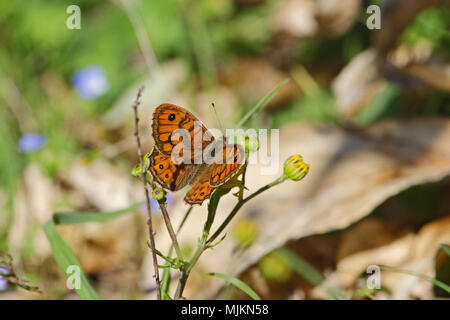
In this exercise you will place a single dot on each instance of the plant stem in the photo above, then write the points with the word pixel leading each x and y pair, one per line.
pixel 203 245
pixel 187 270
pixel 239 205
pixel 147 195
pixel 171 232
pixel 166 273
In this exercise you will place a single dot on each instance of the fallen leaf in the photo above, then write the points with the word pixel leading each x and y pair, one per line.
pixel 351 173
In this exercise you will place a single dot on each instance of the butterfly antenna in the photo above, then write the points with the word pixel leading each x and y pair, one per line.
pixel 217 117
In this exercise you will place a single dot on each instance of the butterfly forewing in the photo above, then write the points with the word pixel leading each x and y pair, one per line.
pixel 168 120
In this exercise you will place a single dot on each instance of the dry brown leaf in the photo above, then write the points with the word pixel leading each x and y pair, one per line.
pixel 358 83
pixel 335 17
pixel 159 86
pixel 351 173
pixel 102 184
pixel 254 78
pixel 308 18
pixel 102 247
pixel 413 252
pixel 368 234
pixel 297 18
pixel 436 76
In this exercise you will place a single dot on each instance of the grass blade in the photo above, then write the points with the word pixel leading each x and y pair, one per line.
pixel 380 105
pixel 302 267
pixel 62 252
pixel 80 217
pixel 238 284
pixel 446 248
pixel 262 103
pixel 66 258
pixel 437 283
pixel 307 271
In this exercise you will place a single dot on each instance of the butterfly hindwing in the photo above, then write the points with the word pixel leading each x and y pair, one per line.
pixel 233 157
pixel 200 191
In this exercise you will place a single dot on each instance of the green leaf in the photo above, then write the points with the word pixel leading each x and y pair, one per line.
pixel 65 258
pixel 238 284
pixel 80 217
pixel 262 103
pixel 136 171
pixel 166 277
pixel 302 267
pixel 212 208
pixel 62 252
pixel 436 282
pixel 379 106
pixel 446 248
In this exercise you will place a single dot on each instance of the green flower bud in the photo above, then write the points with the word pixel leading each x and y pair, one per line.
pixel 245 232
pixel 158 194
pixel 147 160
pixel 294 168
pixel 251 144
pixel 136 171
pixel 275 268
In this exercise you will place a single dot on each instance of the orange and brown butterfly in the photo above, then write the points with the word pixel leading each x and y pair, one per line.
pixel 172 173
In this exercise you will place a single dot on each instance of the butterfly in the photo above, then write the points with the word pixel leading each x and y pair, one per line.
pixel 173 168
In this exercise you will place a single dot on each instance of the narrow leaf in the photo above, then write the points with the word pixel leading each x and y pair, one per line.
pixel 262 103
pixel 446 248
pixel 302 267
pixel 238 284
pixel 80 217
pixel 66 258
pixel 212 208
pixel 380 105
pixel 62 252
pixel 437 283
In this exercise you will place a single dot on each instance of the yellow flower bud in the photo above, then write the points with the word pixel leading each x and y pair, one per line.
pixel 294 168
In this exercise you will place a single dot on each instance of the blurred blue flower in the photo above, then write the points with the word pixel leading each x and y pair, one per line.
pixel 90 82
pixel 30 142
pixel 3 283
pixel 154 205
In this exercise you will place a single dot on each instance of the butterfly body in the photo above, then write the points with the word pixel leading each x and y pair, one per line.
pixel 198 159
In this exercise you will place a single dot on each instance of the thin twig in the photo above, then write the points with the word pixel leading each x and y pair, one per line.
pixel 165 283
pixel 171 232
pixel 147 195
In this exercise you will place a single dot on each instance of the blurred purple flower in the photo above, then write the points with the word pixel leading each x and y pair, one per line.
pixel 154 205
pixel 30 142
pixel 90 82
pixel 3 283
